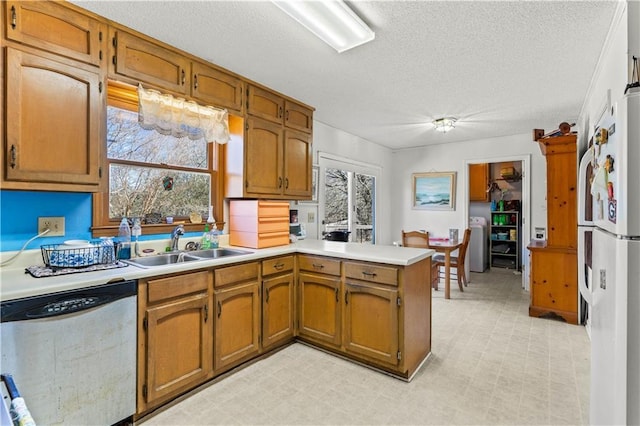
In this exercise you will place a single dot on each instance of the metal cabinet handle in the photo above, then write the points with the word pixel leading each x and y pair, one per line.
pixel 266 295
pixel 278 266
pixel 206 312
pixel 195 81
pixel 369 274
pixel 318 266
pixel 14 17
pixel 286 183
pixel 280 112
pixel 346 297
pixel 286 115
pixel 219 309
pixel 280 182
pixel 337 294
pixel 183 77
pixel 14 157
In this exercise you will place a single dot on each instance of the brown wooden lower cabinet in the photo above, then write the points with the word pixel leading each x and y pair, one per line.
pixel 237 324
pixel 320 316
pixel 198 325
pixel 174 336
pixel 278 302
pixel 554 284
pixel 371 322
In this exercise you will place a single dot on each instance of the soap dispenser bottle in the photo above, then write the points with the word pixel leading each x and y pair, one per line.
pixel 206 238
pixel 136 231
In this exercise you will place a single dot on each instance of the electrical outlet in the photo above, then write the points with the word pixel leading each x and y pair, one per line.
pixel 54 224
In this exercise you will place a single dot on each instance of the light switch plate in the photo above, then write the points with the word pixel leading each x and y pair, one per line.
pixel 311 217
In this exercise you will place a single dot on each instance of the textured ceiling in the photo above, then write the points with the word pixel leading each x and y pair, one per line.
pixel 501 68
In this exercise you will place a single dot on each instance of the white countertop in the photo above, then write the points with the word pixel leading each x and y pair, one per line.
pixel 15 283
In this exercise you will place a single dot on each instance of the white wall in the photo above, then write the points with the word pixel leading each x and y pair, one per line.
pixel 453 157
pixel 339 143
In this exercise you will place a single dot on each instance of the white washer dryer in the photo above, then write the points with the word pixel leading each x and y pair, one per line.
pixel 478 250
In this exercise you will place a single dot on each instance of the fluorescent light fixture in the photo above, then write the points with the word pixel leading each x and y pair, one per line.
pixel 444 124
pixel 330 20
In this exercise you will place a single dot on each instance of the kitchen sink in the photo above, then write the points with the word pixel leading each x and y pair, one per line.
pixel 173 258
pixel 217 253
pixel 162 259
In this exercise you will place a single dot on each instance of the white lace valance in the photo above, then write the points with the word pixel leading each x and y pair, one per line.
pixel 180 117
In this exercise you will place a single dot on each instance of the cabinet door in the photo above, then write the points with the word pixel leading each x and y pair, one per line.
pixel 320 313
pixel 264 104
pixel 178 346
pixel 146 62
pixel 237 325
pixel 57 29
pixel 478 182
pixel 54 116
pixel 277 310
pixel 554 285
pixel 298 117
pixel 371 322
pixel 215 87
pixel 297 163
pixel 263 158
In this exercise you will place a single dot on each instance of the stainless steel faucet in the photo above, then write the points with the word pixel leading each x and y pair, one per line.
pixel 175 236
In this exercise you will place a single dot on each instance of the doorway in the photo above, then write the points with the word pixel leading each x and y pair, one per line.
pixel 348 194
pixel 508 180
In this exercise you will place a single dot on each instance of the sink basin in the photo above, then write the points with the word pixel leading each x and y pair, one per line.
pixel 217 253
pixel 162 259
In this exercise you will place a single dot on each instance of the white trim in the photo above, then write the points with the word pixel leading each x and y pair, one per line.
pixel 525 202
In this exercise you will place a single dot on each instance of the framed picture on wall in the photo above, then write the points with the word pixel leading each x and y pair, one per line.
pixel 434 191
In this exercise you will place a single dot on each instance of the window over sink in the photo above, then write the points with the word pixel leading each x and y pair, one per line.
pixel 151 175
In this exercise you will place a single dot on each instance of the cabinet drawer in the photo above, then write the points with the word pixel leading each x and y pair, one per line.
pixel 259 225
pixel 180 285
pixel 277 265
pixel 258 240
pixel 319 264
pixel 372 273
pixel 235 274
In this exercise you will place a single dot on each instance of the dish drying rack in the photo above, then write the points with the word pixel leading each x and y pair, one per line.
pixel 57 256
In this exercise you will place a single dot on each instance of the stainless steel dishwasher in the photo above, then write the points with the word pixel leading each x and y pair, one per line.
pixel 74 353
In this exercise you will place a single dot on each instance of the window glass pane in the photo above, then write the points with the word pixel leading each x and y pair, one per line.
pixel 136 191
pixel 336 199
pixel 365 193
pixel 126 140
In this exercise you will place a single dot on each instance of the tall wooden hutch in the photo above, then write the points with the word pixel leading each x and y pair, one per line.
pixel 554 273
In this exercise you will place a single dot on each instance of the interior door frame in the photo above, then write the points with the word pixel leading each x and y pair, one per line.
pixel 329 160
pixel 525 204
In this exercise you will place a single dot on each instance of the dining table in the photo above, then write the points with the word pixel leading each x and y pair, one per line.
pixel 446 246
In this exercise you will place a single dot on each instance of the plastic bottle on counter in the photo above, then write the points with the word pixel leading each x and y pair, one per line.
pixel 206 238
pixel 124 240
pixel 136 231
pixel 213 238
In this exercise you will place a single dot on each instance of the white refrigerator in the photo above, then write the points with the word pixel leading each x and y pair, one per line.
pixel 611 285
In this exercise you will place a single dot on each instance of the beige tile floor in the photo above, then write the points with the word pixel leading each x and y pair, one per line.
pixel 490 364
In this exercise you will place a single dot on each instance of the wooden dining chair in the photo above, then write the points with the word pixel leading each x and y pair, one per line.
pixel 457 262
pixel 420 239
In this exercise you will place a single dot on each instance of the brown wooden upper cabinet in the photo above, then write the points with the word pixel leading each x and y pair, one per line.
pixel 147 62
pixel 56 28
pixel 215 87
pixel 54 116
pixel 478 182
pixel 273 107
pixel 138 59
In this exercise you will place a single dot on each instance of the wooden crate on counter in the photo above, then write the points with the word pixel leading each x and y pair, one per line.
pixel 258 223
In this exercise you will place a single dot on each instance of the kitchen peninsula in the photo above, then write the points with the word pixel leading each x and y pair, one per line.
pixel 369 304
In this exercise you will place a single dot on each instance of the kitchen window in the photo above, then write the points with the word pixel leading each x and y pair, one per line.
pixel 151 175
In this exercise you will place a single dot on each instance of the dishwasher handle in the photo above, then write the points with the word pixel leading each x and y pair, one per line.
pixel 64 303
